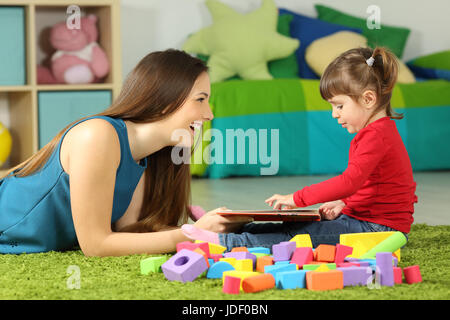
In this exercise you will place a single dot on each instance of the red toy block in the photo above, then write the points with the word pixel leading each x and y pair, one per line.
pixel 347 264
pixel 325 253
pixel 302 255
pixel 398 275
pixel 263 261
pixel 192 246
pixel 341 252
pixel 330 280
pixel 412 274
pixel 239 249
pixel 258 283
pixel 216 256
pixel 198 250
pixel 231 285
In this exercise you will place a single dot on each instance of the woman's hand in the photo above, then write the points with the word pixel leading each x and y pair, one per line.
pixel 331 210
pixel 281 202
pixel 211 221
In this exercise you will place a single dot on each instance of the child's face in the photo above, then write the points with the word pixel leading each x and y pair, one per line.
pixel 350 114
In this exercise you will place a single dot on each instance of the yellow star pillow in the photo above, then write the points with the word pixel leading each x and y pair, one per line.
pixel 241 44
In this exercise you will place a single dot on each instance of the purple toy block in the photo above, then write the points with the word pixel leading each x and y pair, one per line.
pixel 184 266
pixel 385 268
pixel 239 255
pixel 355 276
pixel 283 251
pixel 348 259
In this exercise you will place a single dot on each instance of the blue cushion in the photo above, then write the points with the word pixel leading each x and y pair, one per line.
pixel 428 73
pixel 308 29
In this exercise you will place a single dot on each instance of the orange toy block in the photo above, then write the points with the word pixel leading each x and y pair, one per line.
pixel 263 261
pixel 198 250
pixel 320 281
pixel 239 249
pixel 258 283
pixel 325 252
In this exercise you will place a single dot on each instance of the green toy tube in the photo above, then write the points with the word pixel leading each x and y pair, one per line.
pixel 391 244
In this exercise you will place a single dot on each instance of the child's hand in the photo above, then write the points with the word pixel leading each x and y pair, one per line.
pixel 331 210
pixel 287 201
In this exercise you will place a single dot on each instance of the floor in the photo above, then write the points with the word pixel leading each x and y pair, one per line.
pixel 433 191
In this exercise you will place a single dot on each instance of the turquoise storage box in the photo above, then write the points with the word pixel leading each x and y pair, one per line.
pixel 12 49
pixel 57 109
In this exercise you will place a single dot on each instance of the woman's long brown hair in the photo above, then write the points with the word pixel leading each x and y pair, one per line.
pixel 155 88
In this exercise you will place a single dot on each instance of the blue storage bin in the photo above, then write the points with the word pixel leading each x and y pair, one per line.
pixel 12 48
pixel 57 109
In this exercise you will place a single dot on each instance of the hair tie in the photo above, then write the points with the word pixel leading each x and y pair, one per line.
pixel 370 61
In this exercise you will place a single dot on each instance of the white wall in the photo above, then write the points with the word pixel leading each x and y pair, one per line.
pixel 150 25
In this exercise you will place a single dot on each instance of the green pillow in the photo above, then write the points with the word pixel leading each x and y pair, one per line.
pixel 281 68
pixel 439 60
pixel 391 37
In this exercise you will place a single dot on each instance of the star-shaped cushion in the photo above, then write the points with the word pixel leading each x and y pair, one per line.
pixel 241 44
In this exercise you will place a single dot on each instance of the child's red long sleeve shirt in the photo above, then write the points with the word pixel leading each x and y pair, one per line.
pixel 378 184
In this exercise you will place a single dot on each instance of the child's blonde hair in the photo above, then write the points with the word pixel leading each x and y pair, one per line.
pixel 350 74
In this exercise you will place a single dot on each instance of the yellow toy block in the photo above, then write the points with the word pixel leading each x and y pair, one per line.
pixel 363 242
pixel 239 274
pixel 230 260
pixel 322 268
pixel 213 247
pixel 244 265
pixel 302 240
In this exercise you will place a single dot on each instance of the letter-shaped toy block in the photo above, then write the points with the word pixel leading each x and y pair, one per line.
pixel 319 281
pixel 261 262
pixel 152 264
pixel 214 248
pixel 356 276
pixel 412 274
pixel 302 240
pixel 292 279
pixel 262 250
pixel 184 266
pixel 283 251
pixel 192 246
pixel 385 268
pixel 341 252
pixel 217 269
pixel 244 265
pixel 258 283
pixel 239 249
pixel 302 256
pixel 231 285
pixel 325 253
pixel 398 275
pixel 241 255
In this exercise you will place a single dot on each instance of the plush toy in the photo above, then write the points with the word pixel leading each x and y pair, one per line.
pixel 79 58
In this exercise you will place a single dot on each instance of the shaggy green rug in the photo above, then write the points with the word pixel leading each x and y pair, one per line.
pixel 51 276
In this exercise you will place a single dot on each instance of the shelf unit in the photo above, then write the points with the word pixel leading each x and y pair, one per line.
pixel 25 101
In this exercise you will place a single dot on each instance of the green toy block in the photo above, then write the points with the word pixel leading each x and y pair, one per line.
pixel 312 267
pixel 257 254
pixel 152 264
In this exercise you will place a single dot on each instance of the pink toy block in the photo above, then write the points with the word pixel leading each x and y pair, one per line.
pixel 184 266
pixel 398 275
pixel 385 268
pixel 412 274
pixel 192 246
pixel 341 252
pixel 302 255
pixel 231 285
pixel 216 256
pixel 347 264
pixel 283 251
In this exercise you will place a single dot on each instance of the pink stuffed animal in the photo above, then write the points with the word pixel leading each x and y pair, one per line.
pixel 78 59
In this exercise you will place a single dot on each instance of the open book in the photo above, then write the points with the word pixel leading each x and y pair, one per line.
pixel 276 215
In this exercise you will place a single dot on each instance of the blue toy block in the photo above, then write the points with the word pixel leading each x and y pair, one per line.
pixel 211 261
pixel 217 269
pixel 292 279
pixel 274 270
pixel 282 262
pixel 259 250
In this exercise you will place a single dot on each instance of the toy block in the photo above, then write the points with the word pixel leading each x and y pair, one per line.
pixel 364 264
pixel 239 249
pixel 385 268
pixel 152 264
pixel 322 268
pixel 348 259
pixel 363 242
pixel 214 248
pixel 231 261
pixel 325 253
pixel 257 254
pixel 292 279
pixel 239 274
pixel 211 262
pixel 231 285
pixel 261 262
pixel 302 256
pixel 356 276
pixel 319 281
pixel 283 251
pixel 258 283
pixel 275 270
pixel 244 265
pixel 217 269
pixel 192 246
pixel 347 264
pixel 412 274
pixel 241 255
pixel 341 252
pixel 302 240
pixel 184 266
pixel 390 244
pixel 198 250
pixel 314 265
pixel 216 256
pixel 282 262
pixel 398 275
pixel 263 250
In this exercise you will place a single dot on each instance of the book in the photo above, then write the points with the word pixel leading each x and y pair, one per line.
pixel 292 215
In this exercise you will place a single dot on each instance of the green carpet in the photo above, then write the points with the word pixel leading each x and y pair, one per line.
pixel 44 276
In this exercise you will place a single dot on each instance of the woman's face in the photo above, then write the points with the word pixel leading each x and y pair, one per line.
pixel 194 111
